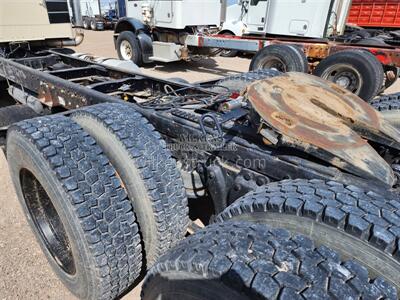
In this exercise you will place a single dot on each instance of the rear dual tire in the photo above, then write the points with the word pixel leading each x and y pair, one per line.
pixel 86 23
pixel 148 172
pixel 93 24
pixel 282 58
pixel 242 260
pixel 76 206
pixel 389 107
pixel 359 225
pixel 358 71
pixel 227 52
pixel 110 191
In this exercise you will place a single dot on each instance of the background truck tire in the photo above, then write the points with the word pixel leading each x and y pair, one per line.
pixel 147 170
pixel 241 260
pixel 302 56
pixel 358 71
pixel 237 83
pixel 93 24
pixel 227 52
pixel 128 48
pixel 86 23
pixel 358 225
pixel 13 114
pixel 76 206
pixel 283 58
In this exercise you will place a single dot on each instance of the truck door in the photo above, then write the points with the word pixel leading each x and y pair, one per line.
pixel 134 9
pixel 163 11
pixel 256 14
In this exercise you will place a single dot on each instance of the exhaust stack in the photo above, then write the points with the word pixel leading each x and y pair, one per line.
pixel 76 12
pixel 66 43
pixel 224 5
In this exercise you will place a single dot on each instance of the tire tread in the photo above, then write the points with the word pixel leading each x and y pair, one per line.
pixel 261 262
pixel 96 197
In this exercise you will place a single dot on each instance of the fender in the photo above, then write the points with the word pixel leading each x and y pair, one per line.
pixel 146 44
pixel 130 24
pixel 142 32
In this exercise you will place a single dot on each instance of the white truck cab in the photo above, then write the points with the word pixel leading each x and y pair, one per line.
pixel 175 14
pixel 303 18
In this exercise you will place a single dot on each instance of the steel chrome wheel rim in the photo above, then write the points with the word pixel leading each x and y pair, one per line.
pixel 126 50
pixel 345 76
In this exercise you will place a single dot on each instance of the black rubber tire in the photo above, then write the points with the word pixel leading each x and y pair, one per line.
pixel 389 106
pixel 359 225
pixel 131 38
pixel 241 260
pixel 378 66
pixel 387 102
pixel 93 25
pixel 86 23
pixel 147 170
pixel 54 163
pixel 237 83
pixel 228 53
pixel 372 41
pixel 302 56
pixel 289 56
pixel 370 70
pixel 13 114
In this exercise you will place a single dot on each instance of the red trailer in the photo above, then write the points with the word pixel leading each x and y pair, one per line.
pixel 375 13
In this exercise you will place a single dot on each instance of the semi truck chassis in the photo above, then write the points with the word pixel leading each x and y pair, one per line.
pixel 226 142
pixel 314 49
pixel 338 59
pixel 62 82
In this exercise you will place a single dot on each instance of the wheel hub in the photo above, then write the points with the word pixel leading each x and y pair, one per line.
pixel 126 50
pixel 274 63
pixel 344 82
pixel 345 76
pixel 47 222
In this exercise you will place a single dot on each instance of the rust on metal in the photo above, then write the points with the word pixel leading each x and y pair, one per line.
pixel 326 121
pixel 388 56
pixel 52 96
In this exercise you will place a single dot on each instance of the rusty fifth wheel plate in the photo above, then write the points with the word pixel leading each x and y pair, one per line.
pixel 326 121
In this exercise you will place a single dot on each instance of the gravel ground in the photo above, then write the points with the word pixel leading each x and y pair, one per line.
pixel 24 272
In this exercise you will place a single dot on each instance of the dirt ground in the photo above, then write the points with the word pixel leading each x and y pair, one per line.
pixel 24 272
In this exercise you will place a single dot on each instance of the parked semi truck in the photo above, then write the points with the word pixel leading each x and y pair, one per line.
pixel 285 35
pixel 299 176
pixel 90 15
